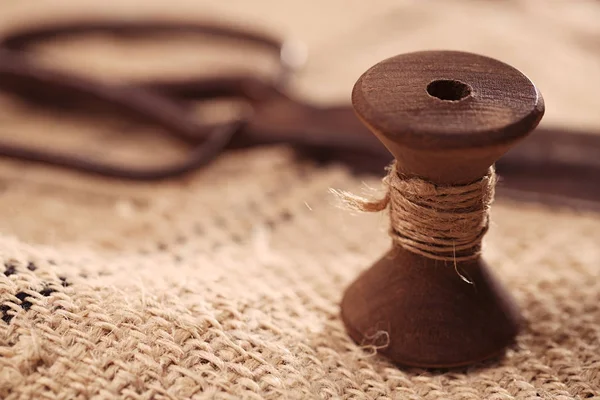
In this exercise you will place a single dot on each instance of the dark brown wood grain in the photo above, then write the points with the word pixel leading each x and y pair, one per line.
pixel 427 312
pixel 394 99
pixel 446 141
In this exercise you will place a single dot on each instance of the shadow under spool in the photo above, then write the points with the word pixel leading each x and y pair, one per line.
pixel 446 117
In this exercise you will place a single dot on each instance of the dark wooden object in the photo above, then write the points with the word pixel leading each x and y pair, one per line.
pixel 446 117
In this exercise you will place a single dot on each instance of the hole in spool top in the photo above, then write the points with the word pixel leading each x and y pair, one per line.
pixel 448 90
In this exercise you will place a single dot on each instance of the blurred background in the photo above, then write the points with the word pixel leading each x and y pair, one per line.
pixel 555 43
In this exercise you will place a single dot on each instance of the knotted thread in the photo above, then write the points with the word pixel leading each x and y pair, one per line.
pixel 442 222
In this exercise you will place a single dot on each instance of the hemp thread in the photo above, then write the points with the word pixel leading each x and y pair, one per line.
pixel 442 222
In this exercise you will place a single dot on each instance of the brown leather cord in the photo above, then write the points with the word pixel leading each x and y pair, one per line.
pixel 196 158
pixel 22 39
pixel 20 75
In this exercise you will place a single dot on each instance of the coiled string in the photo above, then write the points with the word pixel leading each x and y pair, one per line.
pixel 441 222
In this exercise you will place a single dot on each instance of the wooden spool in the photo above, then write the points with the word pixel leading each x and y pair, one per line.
pixel 446 116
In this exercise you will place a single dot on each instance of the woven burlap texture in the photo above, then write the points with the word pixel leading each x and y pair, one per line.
pixel 233 292
pixel 226 284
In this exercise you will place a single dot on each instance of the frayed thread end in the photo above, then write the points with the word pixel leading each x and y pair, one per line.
pixel 359 203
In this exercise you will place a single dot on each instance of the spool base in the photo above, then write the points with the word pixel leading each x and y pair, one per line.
pixel 420 312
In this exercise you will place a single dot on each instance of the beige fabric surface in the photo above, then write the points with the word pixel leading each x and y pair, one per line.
pixel 226 284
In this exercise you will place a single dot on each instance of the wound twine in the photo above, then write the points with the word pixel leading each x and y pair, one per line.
pixel 442 222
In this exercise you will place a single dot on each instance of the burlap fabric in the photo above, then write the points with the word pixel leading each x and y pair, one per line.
pixel 226 284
